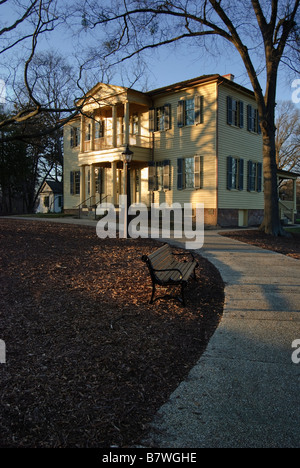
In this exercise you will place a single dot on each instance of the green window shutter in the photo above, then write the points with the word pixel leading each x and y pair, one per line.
pixel 199 107
pixel 259 177
pixel 249 118
pixel 180 113
pixel 72 137
pixel 229 110
pixel 257 122
pixel 241 174
pixel 197 172
pixel 152 120
pixel 167 114
pixel 99 181
pixel 89 182
pixel 249 185
pixel 151 177
pixel 241 114
pixel 72 183
pixel 180 166
pixel 166 175
pixel 229 173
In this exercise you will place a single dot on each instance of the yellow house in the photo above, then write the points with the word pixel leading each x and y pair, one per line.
pixel 196 141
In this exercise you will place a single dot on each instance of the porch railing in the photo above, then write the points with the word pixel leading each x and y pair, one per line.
pixel 106 142
pixel 287 210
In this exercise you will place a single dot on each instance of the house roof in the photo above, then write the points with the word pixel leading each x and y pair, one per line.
pixel 56 187
pixel 199 80
pixel 287 174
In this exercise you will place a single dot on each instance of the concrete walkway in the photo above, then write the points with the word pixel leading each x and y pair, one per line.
pixel 245 390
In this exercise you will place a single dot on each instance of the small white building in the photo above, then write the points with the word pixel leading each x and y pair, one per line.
pixel 50 197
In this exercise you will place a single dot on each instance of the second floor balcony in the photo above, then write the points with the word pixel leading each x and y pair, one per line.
pixel 108 142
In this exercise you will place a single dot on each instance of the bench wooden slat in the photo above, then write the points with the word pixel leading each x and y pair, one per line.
pixel 166 270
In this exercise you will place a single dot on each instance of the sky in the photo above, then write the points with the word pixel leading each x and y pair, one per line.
pixel 166 65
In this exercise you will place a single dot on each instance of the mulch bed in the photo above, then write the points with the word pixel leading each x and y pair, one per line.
pixel 289 246
pixel 88 360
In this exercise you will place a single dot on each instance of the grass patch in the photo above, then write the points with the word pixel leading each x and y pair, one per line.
pixel 293 230
pixel 47 215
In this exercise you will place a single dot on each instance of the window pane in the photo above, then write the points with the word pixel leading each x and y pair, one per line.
pixel 160 119
pixel 234 173
pixel 190 112
pixel 189 172
pixel 77 182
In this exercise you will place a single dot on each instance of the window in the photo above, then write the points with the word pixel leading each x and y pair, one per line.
pixel 189 173
pixel 160 118
pixel 75 182
pixel 46 202
pixel 75 137
pixel 88 132
pixel 235 112
pixel 135 124
pixel 235 173
pixel 253 120
pixel 99 180
pixel 159 176
pixel 99 129
pixel 190 111
pixel 254 176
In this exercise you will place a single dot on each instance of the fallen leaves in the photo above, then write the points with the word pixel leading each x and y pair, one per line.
pixel 89 361
pixel 289 246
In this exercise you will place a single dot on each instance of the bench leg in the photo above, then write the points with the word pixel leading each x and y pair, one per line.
pixel 153 293
pixel 183 285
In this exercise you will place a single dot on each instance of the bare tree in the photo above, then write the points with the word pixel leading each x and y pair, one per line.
pixel 251 27
pixel 288 136
pixel 26 28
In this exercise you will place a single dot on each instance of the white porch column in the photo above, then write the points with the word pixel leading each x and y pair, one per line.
pixel 114 126
pixel 295 194
pixel 82 133
pixel 92 185
pixel 82 184
pixel 114 183
pixel 127 122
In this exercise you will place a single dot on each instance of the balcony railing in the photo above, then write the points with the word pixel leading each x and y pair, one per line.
pixel 106 142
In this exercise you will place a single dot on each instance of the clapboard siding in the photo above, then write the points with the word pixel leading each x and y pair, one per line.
pixel 70 164
pixel 238 143
pixel 188 141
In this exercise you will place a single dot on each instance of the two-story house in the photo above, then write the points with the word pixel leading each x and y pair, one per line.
pixel 196 141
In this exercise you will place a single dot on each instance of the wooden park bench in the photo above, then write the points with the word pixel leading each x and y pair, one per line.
pixel 165 270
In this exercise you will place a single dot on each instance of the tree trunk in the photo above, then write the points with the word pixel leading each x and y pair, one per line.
pixel 271 223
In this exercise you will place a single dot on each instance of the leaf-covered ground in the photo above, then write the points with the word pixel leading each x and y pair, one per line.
pixel 88 360
pixel 289 246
